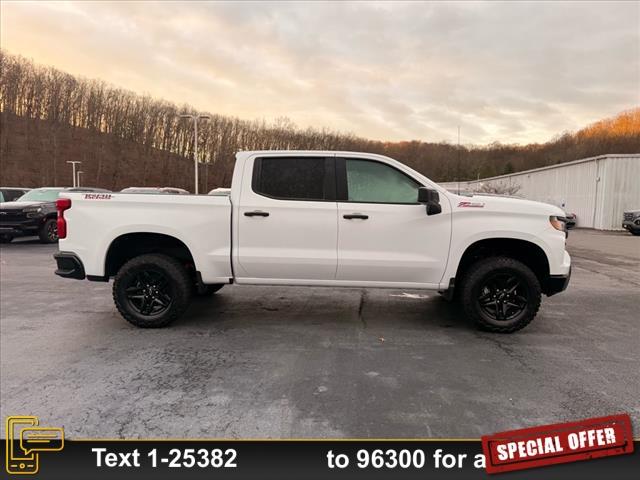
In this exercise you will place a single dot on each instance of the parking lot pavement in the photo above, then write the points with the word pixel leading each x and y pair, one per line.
pixel 294 362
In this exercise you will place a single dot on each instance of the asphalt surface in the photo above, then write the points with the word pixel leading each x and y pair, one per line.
pixel 271 362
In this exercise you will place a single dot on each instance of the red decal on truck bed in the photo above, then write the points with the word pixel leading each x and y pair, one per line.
pixel 97 196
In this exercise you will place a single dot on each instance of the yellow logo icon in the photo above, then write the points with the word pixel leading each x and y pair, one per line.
pixel 25 440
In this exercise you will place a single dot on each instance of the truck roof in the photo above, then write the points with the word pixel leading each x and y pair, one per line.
pixel 328 153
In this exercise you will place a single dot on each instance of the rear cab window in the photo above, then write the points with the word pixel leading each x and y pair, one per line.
pixel 295 178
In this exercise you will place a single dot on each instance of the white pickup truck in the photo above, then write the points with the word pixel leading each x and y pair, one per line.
pixel 317 218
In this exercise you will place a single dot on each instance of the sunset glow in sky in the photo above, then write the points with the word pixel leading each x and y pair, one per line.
pixel 508 72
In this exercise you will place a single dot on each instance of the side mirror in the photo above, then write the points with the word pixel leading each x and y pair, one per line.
pixel 428 195
pixel 431 199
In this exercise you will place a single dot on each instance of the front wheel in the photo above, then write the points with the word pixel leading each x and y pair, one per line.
pixel 151 291
pixel 48 233
pixel 501 294
pixel 5 238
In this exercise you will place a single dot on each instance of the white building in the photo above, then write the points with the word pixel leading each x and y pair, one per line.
pixel 596 189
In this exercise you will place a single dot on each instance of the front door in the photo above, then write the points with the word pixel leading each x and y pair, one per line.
pixel 287 223
pixel 384 234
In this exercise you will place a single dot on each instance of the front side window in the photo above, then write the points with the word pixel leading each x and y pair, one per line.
pixel 291 178
pixel 375 182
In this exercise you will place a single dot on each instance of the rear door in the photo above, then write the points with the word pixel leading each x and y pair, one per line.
pixel 384 234
pixel 287 219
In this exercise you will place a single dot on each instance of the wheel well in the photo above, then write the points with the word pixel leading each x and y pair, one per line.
pixel 131 245
pixel 526 252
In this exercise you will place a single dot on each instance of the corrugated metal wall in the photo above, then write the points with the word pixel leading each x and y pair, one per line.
pixel 618 190
pixel 597 190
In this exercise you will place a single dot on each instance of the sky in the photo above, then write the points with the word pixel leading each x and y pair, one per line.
pixel 513 72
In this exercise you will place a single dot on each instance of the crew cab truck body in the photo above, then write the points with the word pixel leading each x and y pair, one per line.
pixel 317 218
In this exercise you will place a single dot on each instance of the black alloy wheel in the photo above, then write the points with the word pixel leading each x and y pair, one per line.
pixel 503 296
pixel 149 293
pixel 152 290
pixel 48 232
pixel 500 294
pixel 52 231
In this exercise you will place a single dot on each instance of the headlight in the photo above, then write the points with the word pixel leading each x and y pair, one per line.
pixel 558 223
pixel 32 211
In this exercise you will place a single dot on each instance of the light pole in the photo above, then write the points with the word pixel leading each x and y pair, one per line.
pixel 79 173
pixel 195 142
pixel 73 164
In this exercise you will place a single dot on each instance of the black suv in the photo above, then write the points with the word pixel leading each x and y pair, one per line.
pixel 631 221
pixel 34 213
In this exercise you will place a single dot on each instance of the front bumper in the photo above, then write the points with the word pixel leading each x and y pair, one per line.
pixel 69 265
pixel 19 230
pixel 557 283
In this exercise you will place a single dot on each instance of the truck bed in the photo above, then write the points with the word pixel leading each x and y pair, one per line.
pixel 201 222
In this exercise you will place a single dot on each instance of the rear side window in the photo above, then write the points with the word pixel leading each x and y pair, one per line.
pixel 291 178
pixel 375 182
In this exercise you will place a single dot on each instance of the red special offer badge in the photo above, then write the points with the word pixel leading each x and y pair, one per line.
pixel 558 443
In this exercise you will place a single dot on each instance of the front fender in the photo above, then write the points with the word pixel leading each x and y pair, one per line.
pixel 549 240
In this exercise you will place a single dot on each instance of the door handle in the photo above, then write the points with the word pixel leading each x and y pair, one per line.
pixel 256 213
pixel 351 216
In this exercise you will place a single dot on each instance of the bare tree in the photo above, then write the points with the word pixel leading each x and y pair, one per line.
pixel 108 128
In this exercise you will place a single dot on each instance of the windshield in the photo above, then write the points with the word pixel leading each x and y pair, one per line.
pixel 40 195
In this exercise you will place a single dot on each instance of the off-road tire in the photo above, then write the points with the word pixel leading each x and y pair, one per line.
pixel 5 238
pixel 48 232
pixel 474 288
pixel 178 285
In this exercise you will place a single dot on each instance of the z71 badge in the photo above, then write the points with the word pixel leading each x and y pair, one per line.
pixel 471 204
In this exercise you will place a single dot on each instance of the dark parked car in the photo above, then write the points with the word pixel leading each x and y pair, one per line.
pixel 9 194
pixel 570 220
pixel 631 221
pixel 34 213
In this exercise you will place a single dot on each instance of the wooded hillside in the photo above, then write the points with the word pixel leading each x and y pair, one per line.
pixel 124 139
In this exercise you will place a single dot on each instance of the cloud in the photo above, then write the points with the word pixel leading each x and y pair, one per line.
pixel 509 72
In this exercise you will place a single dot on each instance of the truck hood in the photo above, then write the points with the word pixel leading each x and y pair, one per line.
pixel 21 205
pixel 505 204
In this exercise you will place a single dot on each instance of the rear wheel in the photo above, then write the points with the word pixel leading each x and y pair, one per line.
pixel 48 233
pixel 5 238
pixel 151 291
pixel 501 294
